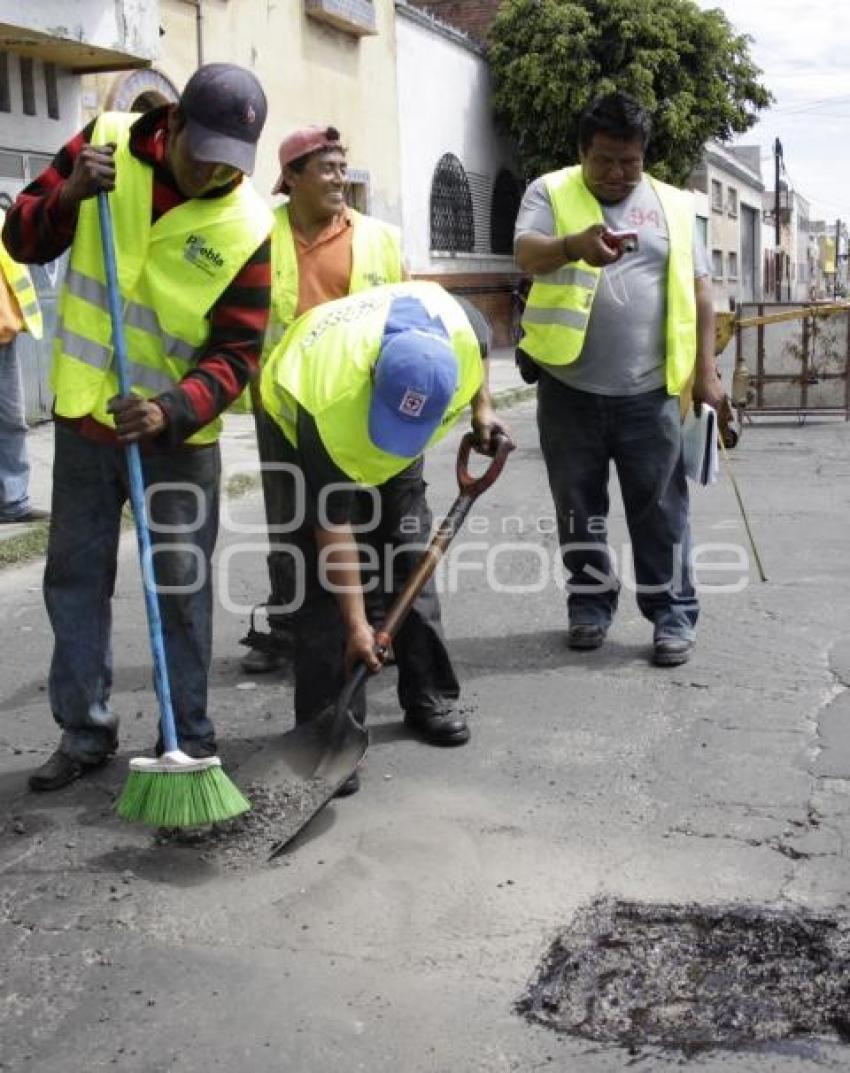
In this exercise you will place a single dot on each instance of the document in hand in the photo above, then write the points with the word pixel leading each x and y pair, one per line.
pixel 699 445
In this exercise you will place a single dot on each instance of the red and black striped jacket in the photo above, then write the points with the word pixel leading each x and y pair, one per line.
pixel 37 230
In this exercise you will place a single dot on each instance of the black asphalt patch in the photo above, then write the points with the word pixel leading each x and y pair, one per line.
pixel 694 978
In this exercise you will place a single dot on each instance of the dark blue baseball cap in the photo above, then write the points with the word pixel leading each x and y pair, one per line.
pixel 224 107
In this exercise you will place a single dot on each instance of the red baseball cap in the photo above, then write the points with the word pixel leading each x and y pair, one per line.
pixel 300 143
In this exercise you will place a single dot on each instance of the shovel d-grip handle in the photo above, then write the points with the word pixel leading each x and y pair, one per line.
pixel 469 488
pixel 474 486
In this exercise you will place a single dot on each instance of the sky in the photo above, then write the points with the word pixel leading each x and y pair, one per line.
pixel 803 50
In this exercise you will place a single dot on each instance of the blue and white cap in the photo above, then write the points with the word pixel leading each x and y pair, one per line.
pixel 415 378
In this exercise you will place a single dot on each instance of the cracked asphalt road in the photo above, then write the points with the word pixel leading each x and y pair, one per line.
pixel 400 931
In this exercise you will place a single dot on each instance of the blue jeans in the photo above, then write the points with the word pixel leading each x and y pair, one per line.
pixel 580 435
pixel 89 491
pixel 14 467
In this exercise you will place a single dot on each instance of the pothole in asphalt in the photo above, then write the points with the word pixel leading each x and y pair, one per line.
pixel 693 978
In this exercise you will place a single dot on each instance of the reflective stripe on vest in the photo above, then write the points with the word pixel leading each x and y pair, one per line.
pixel 375 259
pixel 324 364
pixel 559 303
pixel 19 279
pixel 135 315
pixel 171 274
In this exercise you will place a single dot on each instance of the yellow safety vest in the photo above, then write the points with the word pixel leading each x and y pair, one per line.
pixel 170 274
pixel 558 309
pixel 376 259
pixel 21 285
pixel 324 363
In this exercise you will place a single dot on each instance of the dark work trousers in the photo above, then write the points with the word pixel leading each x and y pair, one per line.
pixel 399 526
pixel 282 506
pixel 89 491
pixel 580 435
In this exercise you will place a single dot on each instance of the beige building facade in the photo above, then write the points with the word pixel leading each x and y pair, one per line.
pixel 320 61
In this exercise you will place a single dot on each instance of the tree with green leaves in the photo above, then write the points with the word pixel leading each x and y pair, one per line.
pixel 687 67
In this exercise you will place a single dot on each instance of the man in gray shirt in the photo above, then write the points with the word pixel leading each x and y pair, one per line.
pixel 618 321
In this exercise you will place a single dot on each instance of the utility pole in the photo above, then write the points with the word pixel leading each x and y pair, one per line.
pixel 777 256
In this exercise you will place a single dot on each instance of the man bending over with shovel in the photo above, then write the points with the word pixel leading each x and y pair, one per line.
pixel 357 390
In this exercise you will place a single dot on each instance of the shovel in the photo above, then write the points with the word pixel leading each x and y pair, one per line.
pixel 316 758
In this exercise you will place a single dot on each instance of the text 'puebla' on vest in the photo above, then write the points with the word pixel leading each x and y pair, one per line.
pixel 199 253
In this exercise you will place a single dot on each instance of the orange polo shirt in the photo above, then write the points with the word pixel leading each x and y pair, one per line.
pixel 324 264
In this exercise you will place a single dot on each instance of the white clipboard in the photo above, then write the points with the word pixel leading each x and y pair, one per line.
pixel 699 445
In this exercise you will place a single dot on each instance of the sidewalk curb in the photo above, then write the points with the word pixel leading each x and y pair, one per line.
pixel 30 543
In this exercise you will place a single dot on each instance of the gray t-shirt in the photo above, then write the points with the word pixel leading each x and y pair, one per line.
pixel 624 348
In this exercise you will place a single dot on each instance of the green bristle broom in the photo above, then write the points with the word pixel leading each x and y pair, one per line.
pixel 174 790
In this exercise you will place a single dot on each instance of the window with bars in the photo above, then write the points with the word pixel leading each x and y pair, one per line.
pixel 504 207
pixel 452 218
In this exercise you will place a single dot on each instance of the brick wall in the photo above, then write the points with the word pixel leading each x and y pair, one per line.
pixel 471 16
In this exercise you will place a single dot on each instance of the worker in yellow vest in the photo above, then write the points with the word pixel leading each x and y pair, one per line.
pixel 321 250
pixel 357 390
pixel 618 320
pixel 193 255
pixel 19 312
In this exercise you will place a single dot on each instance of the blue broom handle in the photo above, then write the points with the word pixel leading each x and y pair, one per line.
pixel 137 485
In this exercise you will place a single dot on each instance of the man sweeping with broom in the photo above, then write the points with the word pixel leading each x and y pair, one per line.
pixel 193 264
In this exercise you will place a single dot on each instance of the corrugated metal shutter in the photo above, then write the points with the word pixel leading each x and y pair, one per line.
pixel 481 188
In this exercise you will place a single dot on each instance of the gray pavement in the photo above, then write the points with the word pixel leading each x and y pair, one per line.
pixel 399 933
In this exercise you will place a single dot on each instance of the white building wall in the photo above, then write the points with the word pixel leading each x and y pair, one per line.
pixel 126 27
pixel 444 105
pixel 40 133
pixel 739 189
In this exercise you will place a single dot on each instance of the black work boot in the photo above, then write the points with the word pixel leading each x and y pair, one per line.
pixel 350 786
pixel 438 728
pixel 58 771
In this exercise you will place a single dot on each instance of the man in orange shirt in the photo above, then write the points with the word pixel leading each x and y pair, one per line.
pixel 321 250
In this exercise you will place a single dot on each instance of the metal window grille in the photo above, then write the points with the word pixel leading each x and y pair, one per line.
pixel 51 90
pixel 452 217
pixel 5 89
pixel 507 195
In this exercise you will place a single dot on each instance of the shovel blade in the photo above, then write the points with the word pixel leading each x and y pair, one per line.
pixel 310 763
